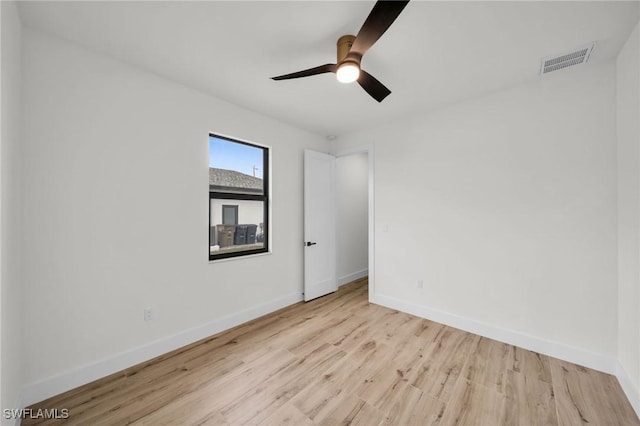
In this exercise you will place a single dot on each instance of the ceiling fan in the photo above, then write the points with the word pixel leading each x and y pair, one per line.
pixel 352 48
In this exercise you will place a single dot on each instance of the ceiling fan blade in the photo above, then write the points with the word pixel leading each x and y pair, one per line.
pixel 306 73
pixel 379 20
pixel 372 86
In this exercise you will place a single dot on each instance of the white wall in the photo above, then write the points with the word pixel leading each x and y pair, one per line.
pixel 116 198
pixel 628 132
pixel 352 177
pixel 505 206
pixel 10 288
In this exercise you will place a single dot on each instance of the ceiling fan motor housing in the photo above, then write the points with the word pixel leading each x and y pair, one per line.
pixel 344 45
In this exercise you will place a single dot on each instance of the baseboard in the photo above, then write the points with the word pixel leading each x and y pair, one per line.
pixel 628 387
pixel 558 350
pixel 58 384
pixel 352 277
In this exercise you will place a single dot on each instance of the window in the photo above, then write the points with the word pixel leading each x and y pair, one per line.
pixel 229 215
pixel 238 198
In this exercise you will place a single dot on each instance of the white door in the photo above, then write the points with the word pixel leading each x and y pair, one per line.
pixel 319 225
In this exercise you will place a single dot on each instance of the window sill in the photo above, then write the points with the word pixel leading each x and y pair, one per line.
pixel 248 256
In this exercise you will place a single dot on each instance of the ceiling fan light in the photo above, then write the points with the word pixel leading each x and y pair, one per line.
pixel 348 72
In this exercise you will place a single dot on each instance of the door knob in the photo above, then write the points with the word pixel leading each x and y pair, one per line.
pixel 309 243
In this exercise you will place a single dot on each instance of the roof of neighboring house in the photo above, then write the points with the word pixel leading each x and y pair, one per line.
pixel 230 180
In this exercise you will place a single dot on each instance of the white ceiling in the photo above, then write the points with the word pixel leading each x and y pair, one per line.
pixel 436 53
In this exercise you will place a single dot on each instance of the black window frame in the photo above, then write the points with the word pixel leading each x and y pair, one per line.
pixel 264 198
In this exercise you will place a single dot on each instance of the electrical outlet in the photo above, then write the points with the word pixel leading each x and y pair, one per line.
pixel 148 314
pixel 420 284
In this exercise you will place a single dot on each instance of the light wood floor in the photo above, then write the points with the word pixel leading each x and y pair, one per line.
pixel 341 360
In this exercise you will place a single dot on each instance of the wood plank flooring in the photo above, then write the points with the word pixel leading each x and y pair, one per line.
pixel 341 360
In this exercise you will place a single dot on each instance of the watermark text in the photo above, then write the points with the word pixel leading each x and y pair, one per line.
pixel 39 413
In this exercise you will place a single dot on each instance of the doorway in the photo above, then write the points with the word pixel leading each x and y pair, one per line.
pixel 354 215
pixel 349 243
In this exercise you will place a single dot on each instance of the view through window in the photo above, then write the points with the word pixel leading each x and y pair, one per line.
pixel 238 198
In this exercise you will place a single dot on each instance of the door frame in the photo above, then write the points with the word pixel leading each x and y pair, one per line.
pixel 369 150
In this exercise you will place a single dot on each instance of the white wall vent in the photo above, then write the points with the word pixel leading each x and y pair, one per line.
pixel 566 59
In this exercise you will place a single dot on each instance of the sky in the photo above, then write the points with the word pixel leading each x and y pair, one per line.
pixel 224 154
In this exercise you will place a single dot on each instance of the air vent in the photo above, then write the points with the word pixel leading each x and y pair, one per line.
pixel 566 59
